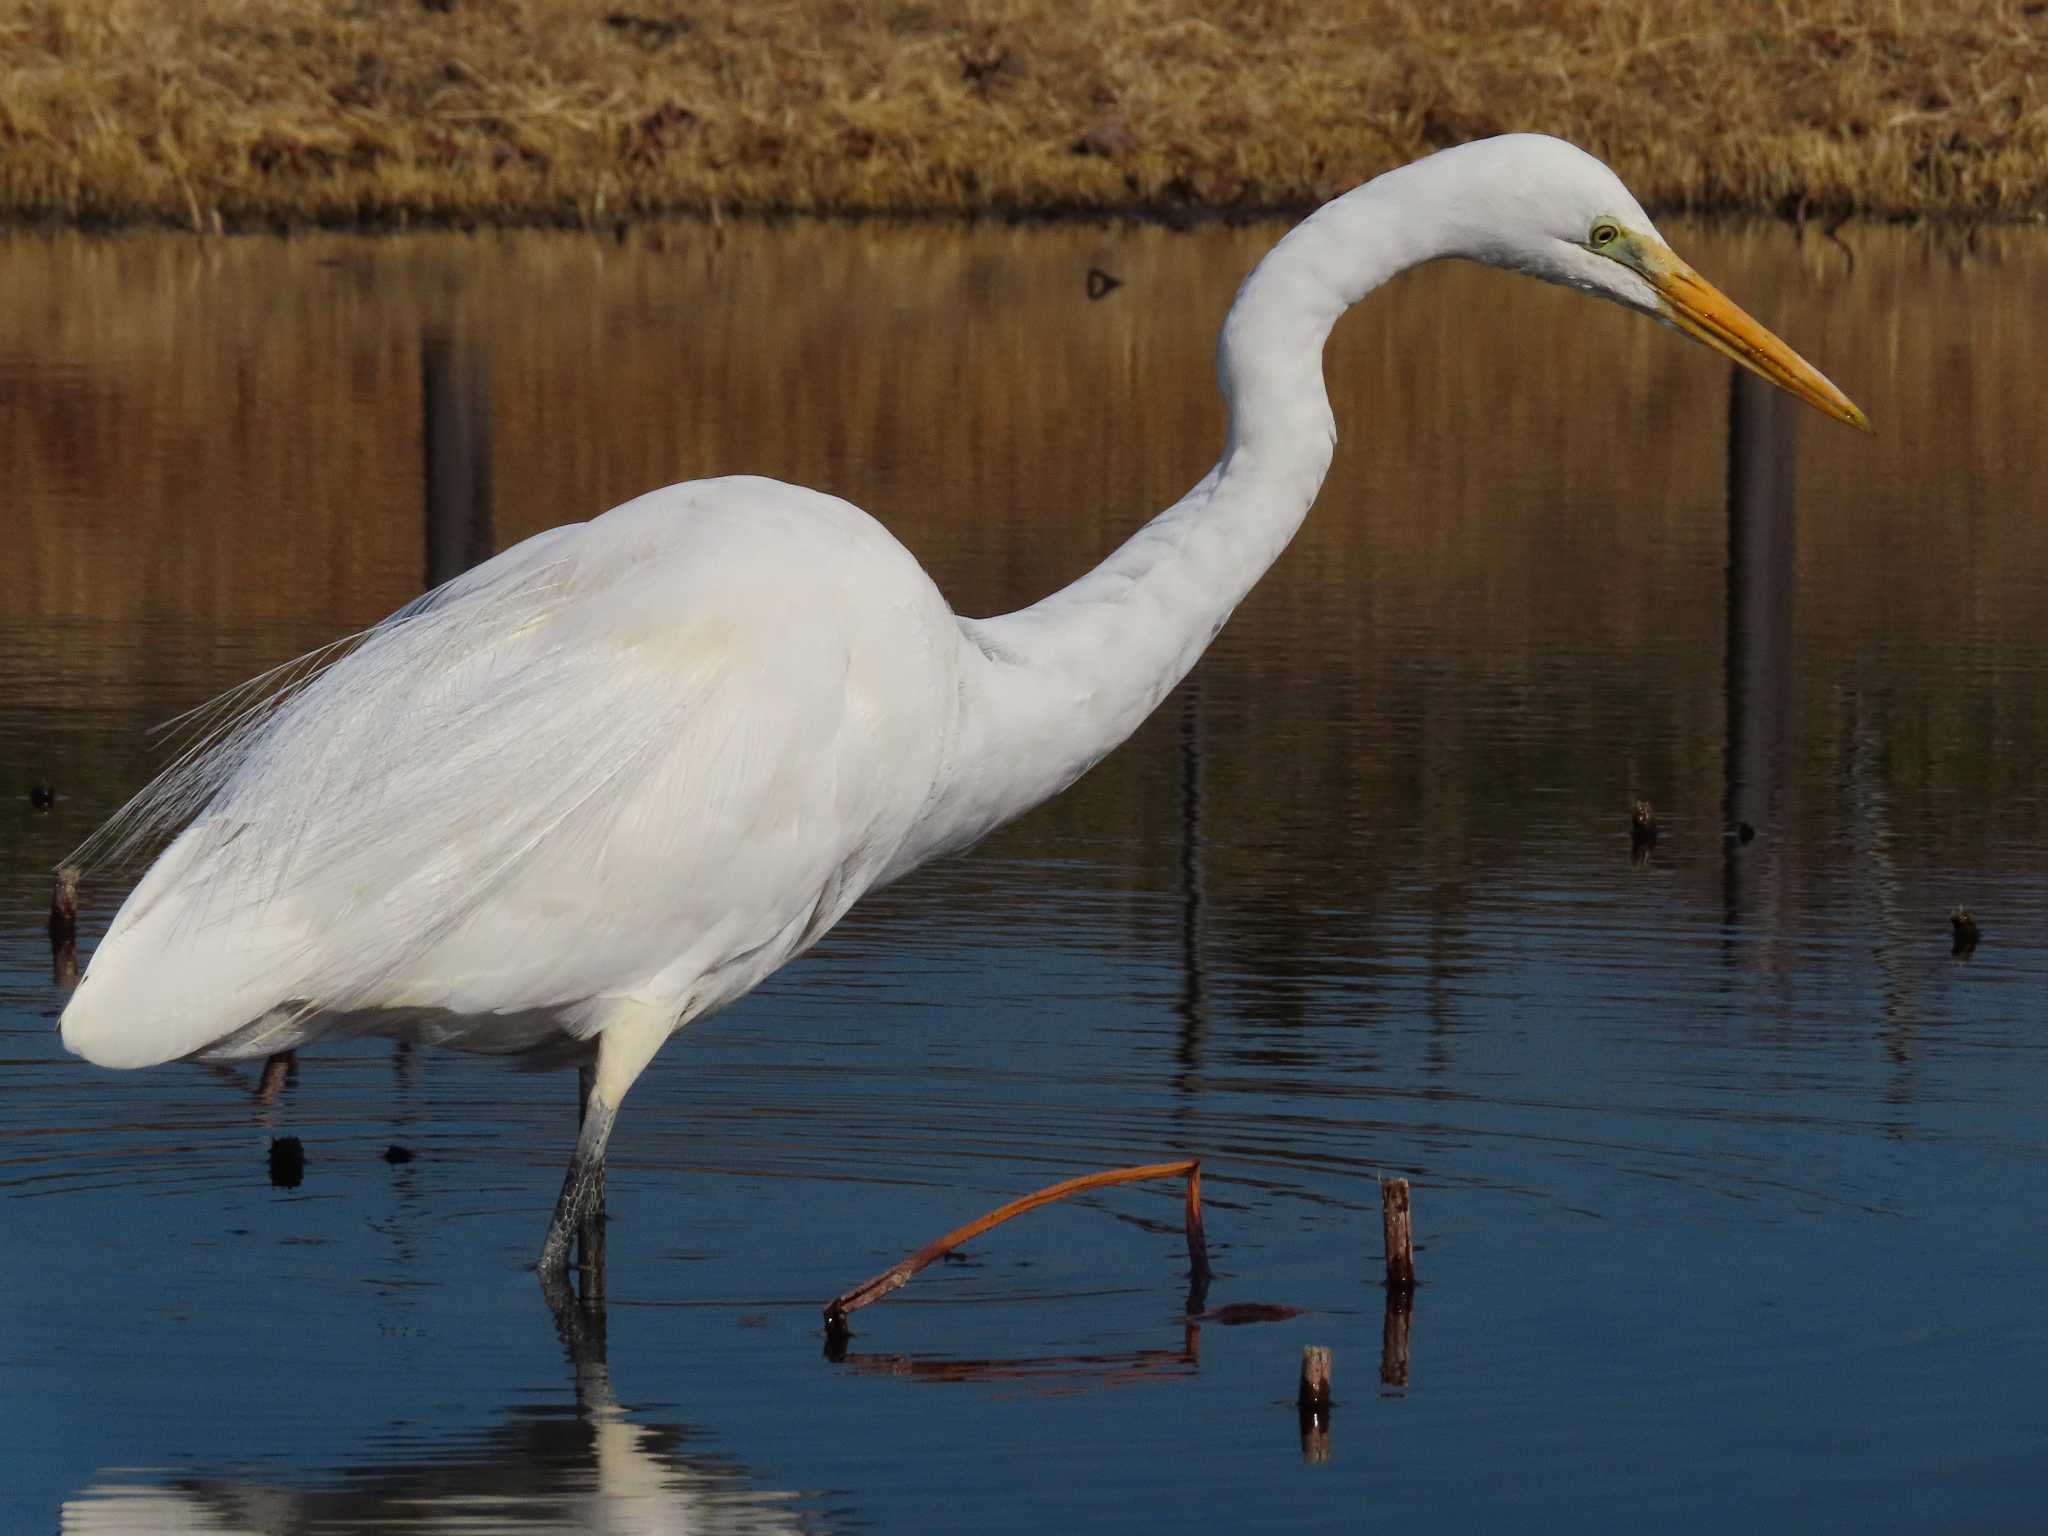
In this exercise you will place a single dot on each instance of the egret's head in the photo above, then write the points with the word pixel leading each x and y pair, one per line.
pixel 1542 206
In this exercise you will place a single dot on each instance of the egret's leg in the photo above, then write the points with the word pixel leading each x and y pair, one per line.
pixel 590 1230
pixel 582 1186
pixel 276 1072
pixel 625 1045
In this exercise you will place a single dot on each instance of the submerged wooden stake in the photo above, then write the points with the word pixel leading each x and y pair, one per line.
pixel 64 927
pixel 1399 1234
pixel 1314 1396
pixel 839 1306
pixel 64 906
pixel 1313 1401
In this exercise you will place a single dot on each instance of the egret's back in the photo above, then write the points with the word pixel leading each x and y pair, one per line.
pixel 650 756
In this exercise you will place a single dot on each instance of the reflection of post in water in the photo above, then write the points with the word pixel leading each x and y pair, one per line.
pixel 1758 670
pixel 1193 1004
pixel 1397 1227
pixel 455 438
pixel 455 429
pixel 1394 1329
pixel 410 1211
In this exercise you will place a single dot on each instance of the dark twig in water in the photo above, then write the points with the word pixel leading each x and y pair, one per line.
pixel 837 1309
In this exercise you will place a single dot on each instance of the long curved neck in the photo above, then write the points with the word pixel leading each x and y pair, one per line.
pixel 1048 690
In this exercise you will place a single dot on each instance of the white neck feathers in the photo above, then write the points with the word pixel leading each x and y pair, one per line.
pixel 1048 690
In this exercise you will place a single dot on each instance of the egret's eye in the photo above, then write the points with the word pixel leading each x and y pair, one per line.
pixel 1604 234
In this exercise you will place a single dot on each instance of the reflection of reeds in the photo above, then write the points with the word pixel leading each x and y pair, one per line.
pixel 253 111
pixel 221 442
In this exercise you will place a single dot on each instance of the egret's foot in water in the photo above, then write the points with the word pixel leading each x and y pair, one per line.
pixel 590 1247
pixel 582 1198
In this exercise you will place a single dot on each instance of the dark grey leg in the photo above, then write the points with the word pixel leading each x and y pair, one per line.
pixel 590 1227
pixel 583 1186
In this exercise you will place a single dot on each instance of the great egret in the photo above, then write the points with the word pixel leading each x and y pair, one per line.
pixel 610 780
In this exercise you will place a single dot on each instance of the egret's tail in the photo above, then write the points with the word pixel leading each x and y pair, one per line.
pixel 107 1031
pixel 172 977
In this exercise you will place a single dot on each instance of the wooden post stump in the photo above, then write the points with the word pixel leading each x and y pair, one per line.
pixel 1312 1398
pixel 1394 1217
pixel 64 927
pixel 63 906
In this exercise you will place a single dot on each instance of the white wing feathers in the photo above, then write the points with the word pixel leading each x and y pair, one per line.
pixel 582 770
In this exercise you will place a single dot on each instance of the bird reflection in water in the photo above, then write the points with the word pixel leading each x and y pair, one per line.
pixel 584 1465
pixel 581 1466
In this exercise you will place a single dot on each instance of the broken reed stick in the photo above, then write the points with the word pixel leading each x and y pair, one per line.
pixel 838 1307
pixel 1394 1218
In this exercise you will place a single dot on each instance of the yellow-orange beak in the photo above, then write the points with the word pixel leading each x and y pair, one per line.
pixel 1705 313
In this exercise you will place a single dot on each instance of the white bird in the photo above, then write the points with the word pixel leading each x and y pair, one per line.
pixel 607 782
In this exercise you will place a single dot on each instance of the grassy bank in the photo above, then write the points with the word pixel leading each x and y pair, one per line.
pixel 259 112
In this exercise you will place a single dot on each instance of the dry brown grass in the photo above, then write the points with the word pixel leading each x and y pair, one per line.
pixel 236 112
